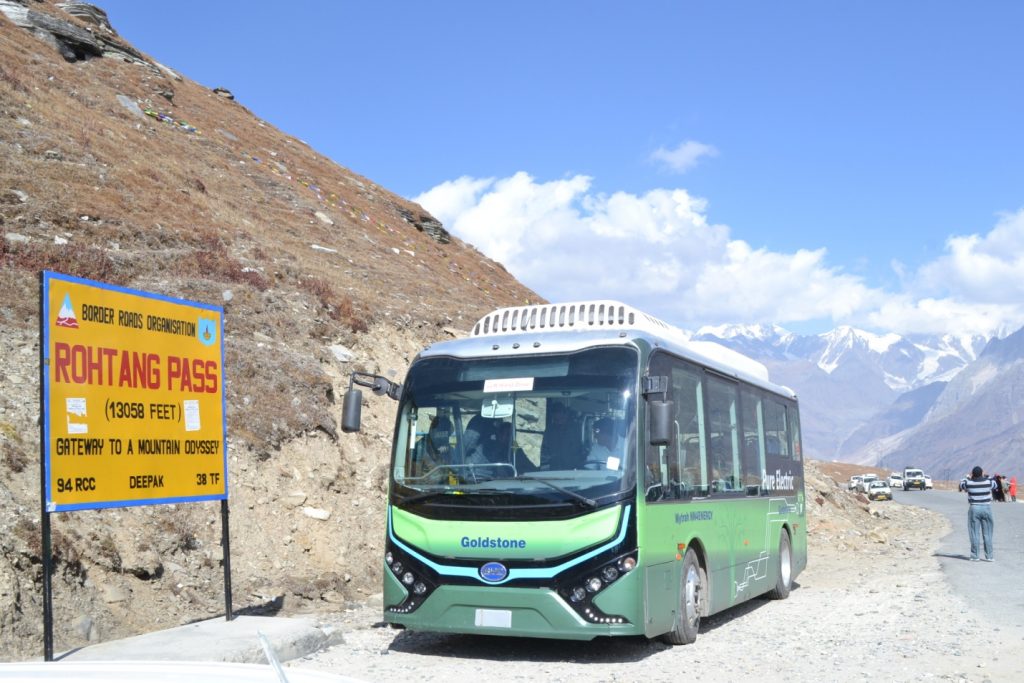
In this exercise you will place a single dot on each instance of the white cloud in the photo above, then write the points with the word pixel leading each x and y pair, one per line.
pixel 659 252
pixel 905 314
pixel 504 217
pixel 452 198
pixel 764 286
pixel 981 269
pixel 685 156
pixel 975 287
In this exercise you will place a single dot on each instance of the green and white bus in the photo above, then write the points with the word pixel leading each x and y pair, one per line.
pixel 583 469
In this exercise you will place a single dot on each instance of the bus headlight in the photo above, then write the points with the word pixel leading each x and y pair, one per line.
pixel 413 576
pixel 580 591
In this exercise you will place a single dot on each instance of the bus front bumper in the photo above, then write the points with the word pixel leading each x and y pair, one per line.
pixel 491 610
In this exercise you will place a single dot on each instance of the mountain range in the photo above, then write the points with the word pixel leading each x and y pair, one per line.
pixel 941 402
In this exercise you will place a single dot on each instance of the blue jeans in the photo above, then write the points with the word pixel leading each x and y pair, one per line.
pixel 979 521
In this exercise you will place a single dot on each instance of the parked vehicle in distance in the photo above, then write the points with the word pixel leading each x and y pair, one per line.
pixel 927 482
pixel 913 478
pixel 879 490
pixel 865 482
pixel 854 483
pixel 895 480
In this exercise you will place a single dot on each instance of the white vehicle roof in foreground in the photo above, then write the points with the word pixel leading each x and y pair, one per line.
pixel 557 328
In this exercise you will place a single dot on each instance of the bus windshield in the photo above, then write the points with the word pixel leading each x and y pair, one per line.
pixel 513 432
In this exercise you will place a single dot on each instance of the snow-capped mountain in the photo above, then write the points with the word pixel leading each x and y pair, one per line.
pixel 757 341
pixel 847 378
pixel 977 419
pixel 903 363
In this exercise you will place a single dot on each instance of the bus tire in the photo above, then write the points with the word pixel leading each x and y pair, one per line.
pixel 692 595
pixel 784 582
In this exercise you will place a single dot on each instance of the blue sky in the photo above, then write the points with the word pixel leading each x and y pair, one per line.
pixel 807 164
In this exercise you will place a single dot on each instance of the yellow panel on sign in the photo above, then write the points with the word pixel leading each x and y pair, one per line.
pixel 133 394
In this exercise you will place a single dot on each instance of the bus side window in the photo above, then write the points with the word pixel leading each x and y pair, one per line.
pixel 776 431
pixel 753 443
pixel 725 439
pixel 794 430
pixel 657 465
pixel 682 464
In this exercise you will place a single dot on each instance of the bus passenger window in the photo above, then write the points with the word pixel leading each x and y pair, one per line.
pixel 776 430
pixel 753 443
pixel 724 450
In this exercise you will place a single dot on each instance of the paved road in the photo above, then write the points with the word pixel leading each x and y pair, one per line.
pixel 996 588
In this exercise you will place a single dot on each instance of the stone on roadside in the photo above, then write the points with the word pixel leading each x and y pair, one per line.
pixel 316 513
pixel 294 499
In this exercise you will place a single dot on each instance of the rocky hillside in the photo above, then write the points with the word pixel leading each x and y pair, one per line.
pixel 116 168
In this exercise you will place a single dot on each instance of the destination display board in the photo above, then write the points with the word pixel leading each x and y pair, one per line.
pixel 133 397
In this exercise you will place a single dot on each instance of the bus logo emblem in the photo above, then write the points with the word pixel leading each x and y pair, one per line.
pixel 493 572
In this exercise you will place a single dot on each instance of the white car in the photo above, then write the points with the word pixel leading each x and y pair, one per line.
pixel 913 478
pixel 879 490
pixel 854 483
pixel 896 480
pixel 927 482
pixel 865 482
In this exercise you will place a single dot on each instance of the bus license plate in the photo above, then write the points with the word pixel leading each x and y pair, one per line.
pixel 494 618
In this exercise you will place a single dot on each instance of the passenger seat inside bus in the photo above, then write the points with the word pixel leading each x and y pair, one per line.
pixel 562 445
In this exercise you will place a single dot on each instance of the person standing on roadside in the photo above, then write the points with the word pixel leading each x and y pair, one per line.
pixel 997 489
pixel 979 512
pixel 1013 488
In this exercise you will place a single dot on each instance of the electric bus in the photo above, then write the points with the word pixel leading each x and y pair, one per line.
pixel 585 469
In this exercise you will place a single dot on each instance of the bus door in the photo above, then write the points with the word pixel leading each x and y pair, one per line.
pixel 676 484
pixel 739 511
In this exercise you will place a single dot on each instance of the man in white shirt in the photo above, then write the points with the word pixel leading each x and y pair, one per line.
pixel 604 454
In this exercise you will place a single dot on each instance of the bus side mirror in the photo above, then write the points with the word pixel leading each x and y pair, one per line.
pixel 351 411
pixel 661 422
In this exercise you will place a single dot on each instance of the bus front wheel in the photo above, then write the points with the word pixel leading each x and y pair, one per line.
pixel 692 594
pixel 784 582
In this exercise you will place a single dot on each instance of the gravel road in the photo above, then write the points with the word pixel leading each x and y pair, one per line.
pixel 874 604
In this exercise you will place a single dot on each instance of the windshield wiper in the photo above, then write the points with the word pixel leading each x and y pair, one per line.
pixel 589 502
pixel 433 494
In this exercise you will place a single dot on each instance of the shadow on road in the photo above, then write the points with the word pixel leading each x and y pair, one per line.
pixel 539 650
pixel 952 556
